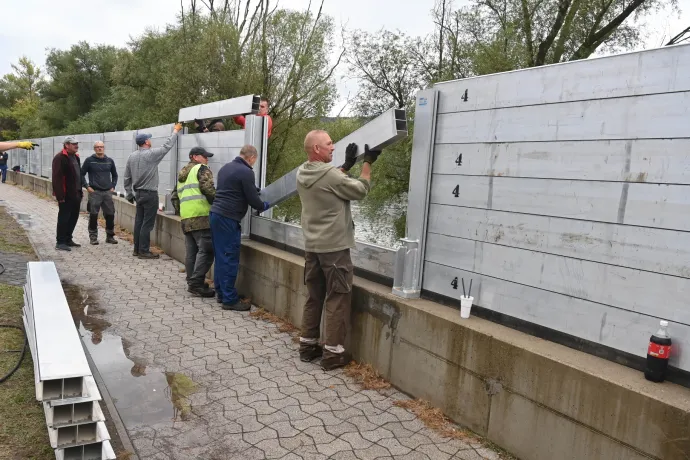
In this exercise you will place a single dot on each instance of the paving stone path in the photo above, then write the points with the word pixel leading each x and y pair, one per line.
pixel 254 399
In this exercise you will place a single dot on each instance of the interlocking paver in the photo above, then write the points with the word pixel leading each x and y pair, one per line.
pixel 254 398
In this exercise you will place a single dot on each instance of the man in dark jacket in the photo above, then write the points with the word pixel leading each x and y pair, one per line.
pixel 192 199
pixel 235 192
pixel 101 185
pixel 67 189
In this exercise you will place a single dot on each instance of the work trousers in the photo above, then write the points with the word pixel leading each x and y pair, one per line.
pixel 147 208
pixel 3 170
pixel 101 199
pixel 227 240
pixel 328 277
pixel 198 256
pixel 68 216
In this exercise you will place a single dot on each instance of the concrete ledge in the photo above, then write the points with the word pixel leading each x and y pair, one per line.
pixel 537 399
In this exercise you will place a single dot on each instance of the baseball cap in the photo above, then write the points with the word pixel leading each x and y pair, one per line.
pixel 70 140
pixel 141 138
pixel 200 151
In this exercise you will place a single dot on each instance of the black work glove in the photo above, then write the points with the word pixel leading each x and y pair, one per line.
pixel 350 156
pixel 370 156
pixel 131 198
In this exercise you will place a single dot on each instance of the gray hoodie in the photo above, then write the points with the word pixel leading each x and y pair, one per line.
pixel 326 192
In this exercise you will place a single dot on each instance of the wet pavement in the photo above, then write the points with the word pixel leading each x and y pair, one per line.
pixel 191 381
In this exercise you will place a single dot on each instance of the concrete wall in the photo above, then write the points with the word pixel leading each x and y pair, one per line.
pixel 563 193
pixel 538 400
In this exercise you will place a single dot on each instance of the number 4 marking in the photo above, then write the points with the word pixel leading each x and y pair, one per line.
pixel 458 160
pixel 456 191
pixel 465 96
pixel 454 283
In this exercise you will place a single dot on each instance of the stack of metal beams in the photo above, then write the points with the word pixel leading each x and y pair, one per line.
pixel 64 383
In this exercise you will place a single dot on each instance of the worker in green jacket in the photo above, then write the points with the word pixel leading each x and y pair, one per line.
pixel 192 199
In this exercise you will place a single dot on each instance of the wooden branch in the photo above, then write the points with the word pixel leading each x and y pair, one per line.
pixel 563 6
pixel 527 23
pixel 592 43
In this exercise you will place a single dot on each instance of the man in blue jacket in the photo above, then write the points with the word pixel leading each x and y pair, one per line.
pixel 235 192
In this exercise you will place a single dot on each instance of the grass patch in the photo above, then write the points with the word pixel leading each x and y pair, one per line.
pixel 366 376
pixel 23 433
pixel 12 235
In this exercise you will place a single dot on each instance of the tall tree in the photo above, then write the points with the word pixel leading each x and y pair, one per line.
pixel 508 34
pixel 79 78
pixel 19 97
pixel 388 69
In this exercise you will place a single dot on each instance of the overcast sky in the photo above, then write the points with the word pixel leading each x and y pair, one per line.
pixel 44 24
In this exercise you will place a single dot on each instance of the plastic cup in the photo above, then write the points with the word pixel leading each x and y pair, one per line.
pixel 465 306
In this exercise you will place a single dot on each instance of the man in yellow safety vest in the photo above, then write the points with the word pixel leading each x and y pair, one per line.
pixel 192 199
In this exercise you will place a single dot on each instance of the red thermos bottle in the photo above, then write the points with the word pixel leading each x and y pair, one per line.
pixel 658 353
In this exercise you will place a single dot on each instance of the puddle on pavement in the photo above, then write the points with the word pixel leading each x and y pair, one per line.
pixel 22 219
pixel 142 395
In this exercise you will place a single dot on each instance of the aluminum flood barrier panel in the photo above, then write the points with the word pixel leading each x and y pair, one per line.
pixel 563 193
pixel 242 105
pixel 382 131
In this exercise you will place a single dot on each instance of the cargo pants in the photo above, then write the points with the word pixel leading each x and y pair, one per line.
pixel 328 277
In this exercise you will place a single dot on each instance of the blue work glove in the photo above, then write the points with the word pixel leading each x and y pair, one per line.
pixel 266 206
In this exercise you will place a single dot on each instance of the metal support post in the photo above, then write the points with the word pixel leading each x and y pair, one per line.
pixel 409 263
pixel 406 261
pixel 253 135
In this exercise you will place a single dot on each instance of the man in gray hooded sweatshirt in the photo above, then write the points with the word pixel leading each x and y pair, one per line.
pixel 329 233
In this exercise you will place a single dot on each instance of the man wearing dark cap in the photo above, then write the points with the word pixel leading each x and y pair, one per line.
pixel 141 185
pixel 192 199
pixel 67 189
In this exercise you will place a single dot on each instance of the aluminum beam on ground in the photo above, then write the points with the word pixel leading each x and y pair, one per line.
pixel 59 350
pixel 226 108
pixel 73 414
pixel 90 393
pixel 382 131
pixel 96 451
pixel 78 435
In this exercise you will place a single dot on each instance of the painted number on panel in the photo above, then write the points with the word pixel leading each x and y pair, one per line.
pixel 458 160
pixel 454 283
pixel 465 96
pixel 456 191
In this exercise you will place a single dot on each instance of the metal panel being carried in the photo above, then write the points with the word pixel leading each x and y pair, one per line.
pixel 561 191
pixel 384 130
pixel 242 105
pixel 370 257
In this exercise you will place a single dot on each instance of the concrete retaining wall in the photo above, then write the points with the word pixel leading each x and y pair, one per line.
pixel 537 399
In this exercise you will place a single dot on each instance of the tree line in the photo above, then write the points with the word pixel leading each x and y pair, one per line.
pixel 218 50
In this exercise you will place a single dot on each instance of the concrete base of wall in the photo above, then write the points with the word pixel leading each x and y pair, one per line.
pixel 536 399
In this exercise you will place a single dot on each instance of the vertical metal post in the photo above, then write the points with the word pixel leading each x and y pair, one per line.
pixel 174 159
pixel 253 135
pixel 410 258
pixel 264 165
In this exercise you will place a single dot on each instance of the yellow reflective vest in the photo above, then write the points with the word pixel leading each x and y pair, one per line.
pixel 193 203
